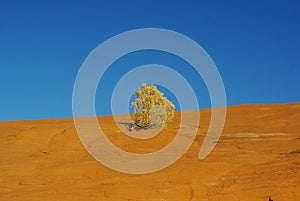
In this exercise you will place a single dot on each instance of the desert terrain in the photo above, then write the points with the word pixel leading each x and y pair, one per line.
pixel 257 158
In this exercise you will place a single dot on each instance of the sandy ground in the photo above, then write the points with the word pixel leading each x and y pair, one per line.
pixel 257 157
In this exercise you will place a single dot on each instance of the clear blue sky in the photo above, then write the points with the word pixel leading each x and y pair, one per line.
pixel 254 44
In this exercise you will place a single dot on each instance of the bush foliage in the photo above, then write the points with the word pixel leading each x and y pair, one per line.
pixel 151 108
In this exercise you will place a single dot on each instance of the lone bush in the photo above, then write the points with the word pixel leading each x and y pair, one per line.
pixel 151 108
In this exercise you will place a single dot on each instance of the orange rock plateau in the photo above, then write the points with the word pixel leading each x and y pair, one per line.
pixel 257 158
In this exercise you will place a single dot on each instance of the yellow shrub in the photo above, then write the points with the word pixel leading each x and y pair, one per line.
pixel 151 108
